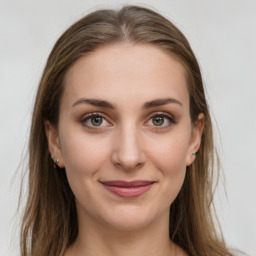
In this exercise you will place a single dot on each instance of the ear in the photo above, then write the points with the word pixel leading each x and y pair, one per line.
pixel 195 139
pixel 53 143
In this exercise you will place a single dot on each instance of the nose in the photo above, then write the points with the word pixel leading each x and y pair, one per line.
pixel 128 151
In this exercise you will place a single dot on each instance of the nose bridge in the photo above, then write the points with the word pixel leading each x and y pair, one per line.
pixel 128 150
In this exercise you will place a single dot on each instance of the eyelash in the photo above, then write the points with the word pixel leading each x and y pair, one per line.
pixel 170 119
pixel 87 117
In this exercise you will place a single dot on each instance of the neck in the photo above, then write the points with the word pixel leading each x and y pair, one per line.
pixel 102 240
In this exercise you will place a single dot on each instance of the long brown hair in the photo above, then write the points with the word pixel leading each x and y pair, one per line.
pixel 50 222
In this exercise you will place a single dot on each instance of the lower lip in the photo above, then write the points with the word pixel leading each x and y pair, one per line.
pixel 129 191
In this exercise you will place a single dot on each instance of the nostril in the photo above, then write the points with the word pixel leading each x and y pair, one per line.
pixel 128 161
pixel 129 164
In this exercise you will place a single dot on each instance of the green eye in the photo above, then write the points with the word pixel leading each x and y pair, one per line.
pixel 96 120
pixel 158 120
pixel 161 120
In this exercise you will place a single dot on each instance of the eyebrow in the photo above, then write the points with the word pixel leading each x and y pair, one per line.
pixel 161 102
pixel 106 104
pixel 95 102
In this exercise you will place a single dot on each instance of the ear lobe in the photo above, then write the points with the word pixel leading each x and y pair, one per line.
pixel 195 140
pixel 53 142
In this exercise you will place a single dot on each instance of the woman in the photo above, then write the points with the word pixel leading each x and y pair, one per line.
pixel 121 149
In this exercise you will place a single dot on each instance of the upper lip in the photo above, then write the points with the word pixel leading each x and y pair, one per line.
pixel 127 184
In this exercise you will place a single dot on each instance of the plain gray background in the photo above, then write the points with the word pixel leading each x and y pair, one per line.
pixel 223 36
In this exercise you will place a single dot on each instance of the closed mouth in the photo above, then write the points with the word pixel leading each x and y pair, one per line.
pixel 128 188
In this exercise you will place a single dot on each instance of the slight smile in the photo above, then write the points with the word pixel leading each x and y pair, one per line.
pixel 128 188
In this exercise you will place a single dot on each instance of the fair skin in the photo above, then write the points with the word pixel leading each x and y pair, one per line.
pixel 140 130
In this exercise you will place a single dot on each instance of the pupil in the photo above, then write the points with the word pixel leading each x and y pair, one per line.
pixel 97 120
pixel 158 120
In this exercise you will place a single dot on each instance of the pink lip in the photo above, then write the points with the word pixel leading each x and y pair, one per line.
pixel 128 188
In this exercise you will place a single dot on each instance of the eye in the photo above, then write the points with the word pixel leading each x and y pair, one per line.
pixel 161 120
pixel 94 120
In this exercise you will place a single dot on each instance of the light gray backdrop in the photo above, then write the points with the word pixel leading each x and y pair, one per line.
pixel 223 36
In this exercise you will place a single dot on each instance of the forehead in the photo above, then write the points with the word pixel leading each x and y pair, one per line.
pixel 125 72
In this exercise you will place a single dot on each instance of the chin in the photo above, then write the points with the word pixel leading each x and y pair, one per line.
pixel 130 218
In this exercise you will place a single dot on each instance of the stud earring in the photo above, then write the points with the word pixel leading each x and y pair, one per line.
pixel 194 153
pixel 55 162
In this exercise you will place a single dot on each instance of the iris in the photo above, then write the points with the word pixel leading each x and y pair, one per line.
pixel 158 120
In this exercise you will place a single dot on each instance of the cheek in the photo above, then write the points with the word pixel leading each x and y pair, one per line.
pixel 83 156
pixel 169 156
pixel 170 153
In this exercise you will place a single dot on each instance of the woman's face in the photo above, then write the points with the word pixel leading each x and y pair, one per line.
pixel 125 136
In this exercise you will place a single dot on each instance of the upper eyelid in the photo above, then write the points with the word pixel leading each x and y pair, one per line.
pixel 161 113
pixel 150 115
pixel 88 115
pixel 155 113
